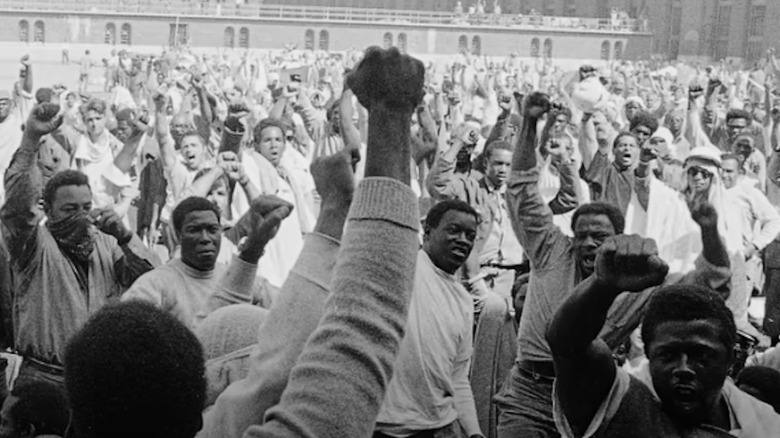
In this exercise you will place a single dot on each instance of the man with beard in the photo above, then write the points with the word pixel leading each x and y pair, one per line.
pixel 558 264
pixel 430 394
pixel 689 337
pixel 66 269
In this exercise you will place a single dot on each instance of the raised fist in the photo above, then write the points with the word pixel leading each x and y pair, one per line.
pixel 43 119
pixel 389 78
pixel 630 263
pixel 536 104
pixel 197 81
pixel 333 179
pixel 704 214
pixel 160 102
pixel 695 92
pixel 262 223
pixel 25 60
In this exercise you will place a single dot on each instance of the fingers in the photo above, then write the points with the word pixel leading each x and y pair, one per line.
pixel 266 204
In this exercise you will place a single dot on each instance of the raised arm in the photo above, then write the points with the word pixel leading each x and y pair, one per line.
pixel 349 132
pixel 162 132
pixel 585 369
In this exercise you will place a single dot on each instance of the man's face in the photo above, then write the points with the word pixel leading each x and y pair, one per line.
pixel 219 195
pixel 179 125
pixel 736 127
pixel 590 232
pixel 193 151
pixel 675 124
pixel 5 108
pixel 71 100
pixel 271 144
pixel 69 200
pixel 632 108
pixel 729 172
pixel 626 152
pixel 8 425
pixel 688 365
pixel 498 165
pixel 560 123
pixel 603 128
pixel 96 123
pixel 699 180
pixel 124 130
pixel 200 237
pixel 642 133
pixel 449 244
pixel 743 149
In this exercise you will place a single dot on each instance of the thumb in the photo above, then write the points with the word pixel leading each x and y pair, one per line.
pixel 270 225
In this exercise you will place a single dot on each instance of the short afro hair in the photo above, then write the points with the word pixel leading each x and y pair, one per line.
pixel 268 123
pixel 497 145
pixel 134 370
pixel 187 206
pixel 61 179
pixel 644 118
pixel 765 380
pixel 42 405
pixel 433 218
pixel 688 302
pixel 601 208
pixel 623 135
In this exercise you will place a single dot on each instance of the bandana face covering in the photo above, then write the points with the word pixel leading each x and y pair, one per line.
pixel 74 234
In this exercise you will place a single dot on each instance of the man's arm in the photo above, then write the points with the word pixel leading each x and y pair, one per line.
pixel 131 257
pixel 767 217
pixel 585 370
pixel 162 133
pixel 463 396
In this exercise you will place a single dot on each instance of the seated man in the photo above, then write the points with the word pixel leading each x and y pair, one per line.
pixel 35 409
pixel 430 391
pixel 193 285
pixel 689 336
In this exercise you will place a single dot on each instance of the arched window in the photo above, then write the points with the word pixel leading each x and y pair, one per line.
pixel 402 42
pixel 605 51
pixel 535 47
pixel 230 37
pixel 463 43
pixel 110 37
pixel 548 47
pixel 39 35
pixel 308 43
pixel 24 31
pixel 243 38
pixel 619 50
pixel 387 41
pixel 126 35
pixel 476 45
pixel 324 40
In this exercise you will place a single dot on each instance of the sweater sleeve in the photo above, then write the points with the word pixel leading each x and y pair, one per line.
pixel 338 383
pixel 235 286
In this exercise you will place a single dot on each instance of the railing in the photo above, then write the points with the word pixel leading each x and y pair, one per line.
pixel 318 13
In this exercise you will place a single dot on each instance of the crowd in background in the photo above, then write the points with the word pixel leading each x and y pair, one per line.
pixel 301 243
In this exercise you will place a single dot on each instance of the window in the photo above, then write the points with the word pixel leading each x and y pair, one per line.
pixel 722 23
pixel 324 37
pixel 676 18
pixel 756 22
pixel 755 50
pixel 619 50
pixel 463 43
pixel 549 9
pixel 126 35
pixel 535 47
pixel 602 9
pixel 605 51
pixel 674 49
pixel 402 42
pixel 476 45
pixel 548 48
pixel 178 35
pixel 40 32
pixel 230 37
pixel 24 31
pixel 110 36
pixel 570 8
pixel 309 40
pixel 388 40
pixel 243 38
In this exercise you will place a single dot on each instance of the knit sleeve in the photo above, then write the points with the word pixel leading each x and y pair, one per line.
pixel 338 383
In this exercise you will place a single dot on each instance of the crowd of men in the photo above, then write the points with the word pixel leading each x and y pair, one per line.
pixel 361 244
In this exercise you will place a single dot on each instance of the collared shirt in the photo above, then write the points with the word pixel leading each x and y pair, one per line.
pixel 760 220
pixel 502 246
pixel 50 303
pixel 430 387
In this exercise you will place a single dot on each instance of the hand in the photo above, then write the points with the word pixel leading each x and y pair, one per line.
pixel 704 214
pixel 160 102
pixel 266 214
pixel 505 103
pixel 197 81
pixel 109 222
pixel 630 263
pixel 648 154
pixel 536 105
pixel 43 119
pixel 386 77
pixel 229 163
pixel 25 60
pixel 333 179
pixel 750 251
pixel 238 110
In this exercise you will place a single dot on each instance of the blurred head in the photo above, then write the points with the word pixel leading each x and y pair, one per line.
pixel 269 140
pixel 661 142
pixel 593 224
pixel 219 193
pixel 633 107
pixel 450 232
pixel 5 105
pixel 134 370
pixel 626 150
pixel 674 121
pixel 498 162
pixel 95 118
pixel 604 129
pixel 737 121
pixel 762 383
pixel 125 127
pixel 192 148
pixel 731 169
pixel 196 222
pixel 689 336
pixel 744 145
pixel 643 125
pixel 34 409
pixel 67 193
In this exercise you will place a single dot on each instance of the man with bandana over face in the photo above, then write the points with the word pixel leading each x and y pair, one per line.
pixel 66 268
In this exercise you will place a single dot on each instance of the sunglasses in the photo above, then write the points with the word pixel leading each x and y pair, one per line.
pixel 289 138
pixel 693 171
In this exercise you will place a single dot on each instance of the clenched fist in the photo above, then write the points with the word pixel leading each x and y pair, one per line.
pixel 387 77
pixel 43 119
pixel 630 263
